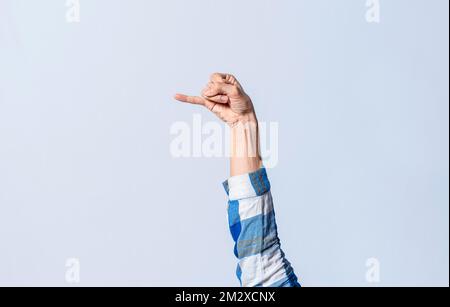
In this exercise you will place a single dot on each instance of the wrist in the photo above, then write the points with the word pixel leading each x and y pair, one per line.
pixel 249 117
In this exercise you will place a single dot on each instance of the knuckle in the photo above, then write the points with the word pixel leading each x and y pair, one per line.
pixel 231 79
pixel 215 76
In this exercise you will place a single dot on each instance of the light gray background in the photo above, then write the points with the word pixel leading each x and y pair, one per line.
pixel 85 112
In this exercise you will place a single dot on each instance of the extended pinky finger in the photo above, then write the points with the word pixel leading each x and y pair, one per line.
pixel 190 99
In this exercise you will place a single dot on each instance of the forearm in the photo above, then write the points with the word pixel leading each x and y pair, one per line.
pixel 245 154
pixel 251 215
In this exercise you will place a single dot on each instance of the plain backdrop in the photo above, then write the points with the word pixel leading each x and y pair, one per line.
pixel 85 116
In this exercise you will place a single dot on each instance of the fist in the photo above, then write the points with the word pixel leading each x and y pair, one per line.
pixel 225 97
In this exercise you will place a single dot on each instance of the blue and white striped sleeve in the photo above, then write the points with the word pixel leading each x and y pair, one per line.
pixel 252 224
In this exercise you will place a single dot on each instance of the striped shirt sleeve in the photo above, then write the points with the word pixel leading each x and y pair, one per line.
pixel 252 223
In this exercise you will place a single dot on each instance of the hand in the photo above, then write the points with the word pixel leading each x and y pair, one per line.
pixel 225 97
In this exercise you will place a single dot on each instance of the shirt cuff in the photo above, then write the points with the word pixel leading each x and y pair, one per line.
pixel 248 185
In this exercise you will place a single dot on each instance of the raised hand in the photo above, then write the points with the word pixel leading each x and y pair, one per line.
pixel 225 97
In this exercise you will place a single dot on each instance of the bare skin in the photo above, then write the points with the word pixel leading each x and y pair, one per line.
pixel 225 97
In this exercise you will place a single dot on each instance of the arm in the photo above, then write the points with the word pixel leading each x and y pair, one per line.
pixel 250 207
